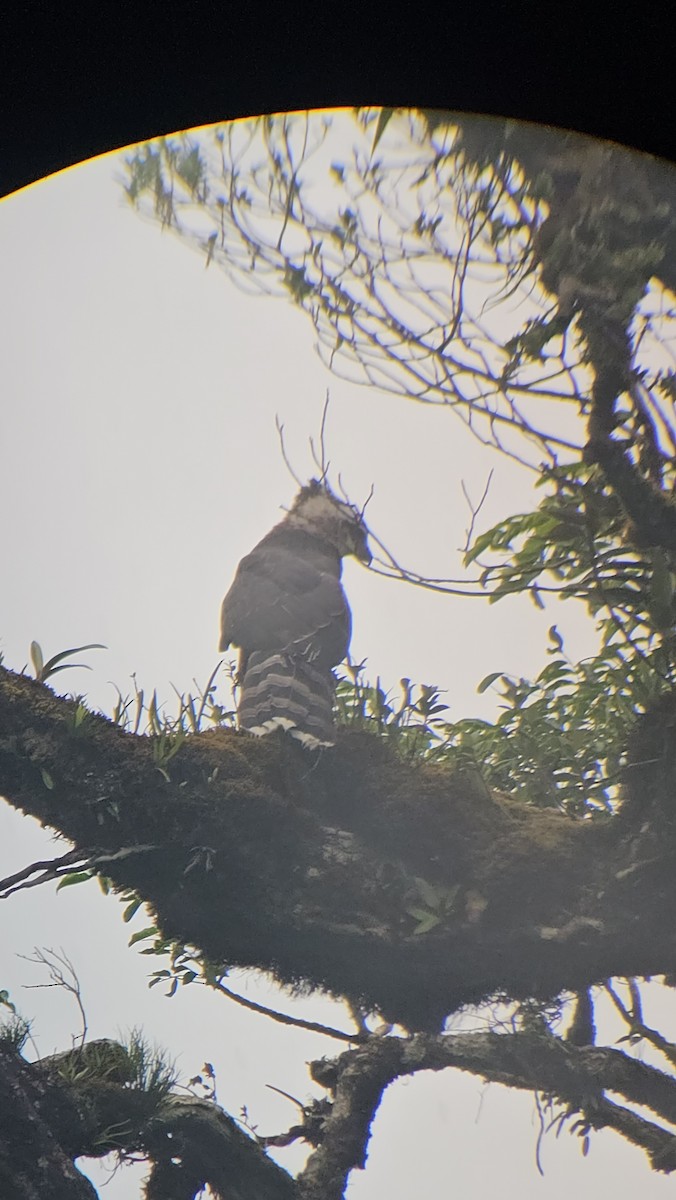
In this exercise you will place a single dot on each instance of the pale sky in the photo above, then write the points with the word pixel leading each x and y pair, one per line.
pixel 140 461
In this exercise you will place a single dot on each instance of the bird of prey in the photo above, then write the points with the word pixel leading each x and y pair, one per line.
pixel 288 614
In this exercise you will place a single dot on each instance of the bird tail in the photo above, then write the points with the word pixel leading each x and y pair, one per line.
pixel 284 691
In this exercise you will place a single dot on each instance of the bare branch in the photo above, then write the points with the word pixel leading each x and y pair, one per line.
pixel 280 431
pixel 285 1018
pixel 88 859
pixel 63 975
pixel 638 1029
pixel 48 869
pixel 474 511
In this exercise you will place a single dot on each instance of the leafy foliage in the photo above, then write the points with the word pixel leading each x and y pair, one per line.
pixel 412 725
pixel 45 670
pixel 14 1029
pixel 562 737
pixel 136 714
pixel 150 1068
pixel 558 742
pixel 580 538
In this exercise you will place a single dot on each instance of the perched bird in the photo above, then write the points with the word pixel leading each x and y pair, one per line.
pixel 289 616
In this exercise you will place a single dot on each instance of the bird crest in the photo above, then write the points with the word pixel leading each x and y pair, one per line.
pixel 318 509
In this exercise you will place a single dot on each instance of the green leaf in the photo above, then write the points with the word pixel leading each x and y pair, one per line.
pixel 76 877
pixel 159 977
pixel 131 909
pixel 50 667
pixel 555 637
pixel 431 893
pixel 426 920
pixel 150 931
pixel 47 779
pixel 488 681
pixel 37 659
pixel 555 671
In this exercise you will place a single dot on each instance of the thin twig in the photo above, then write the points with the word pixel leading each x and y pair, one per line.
pixel 474 511
pixel 285 1019
pixel 280 430
pixel 56 964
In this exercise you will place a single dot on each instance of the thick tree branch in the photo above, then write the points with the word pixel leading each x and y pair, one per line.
pixel 82 1103
pixel 531 1061
pixel 33 1163
pixel 193 1143
pixel 361 1078
pixel 610 228
pixel 314 866
pixel 653 514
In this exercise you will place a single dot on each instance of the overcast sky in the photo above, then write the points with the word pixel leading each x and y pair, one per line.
pixel 140 461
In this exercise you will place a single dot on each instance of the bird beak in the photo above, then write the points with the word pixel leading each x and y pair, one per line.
pixel 364 555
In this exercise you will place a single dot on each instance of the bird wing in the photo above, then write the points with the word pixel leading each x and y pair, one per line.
pixel 282 599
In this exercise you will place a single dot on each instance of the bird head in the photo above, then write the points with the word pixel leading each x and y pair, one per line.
pixel 319 511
